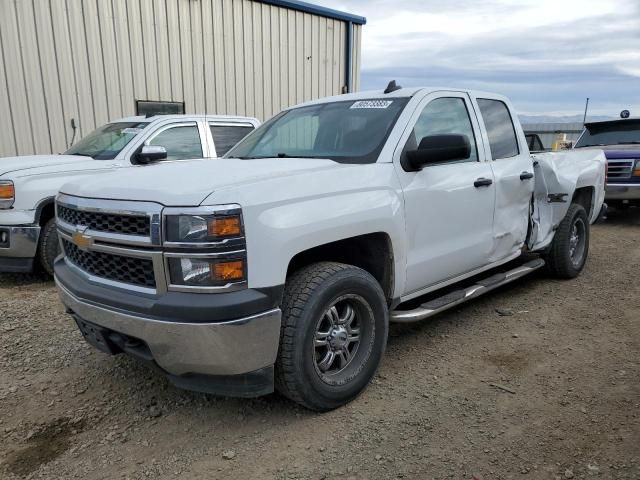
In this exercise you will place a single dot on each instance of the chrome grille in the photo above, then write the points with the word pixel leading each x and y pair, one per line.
pixel 117 268
pixel 106 222
pixel 619 168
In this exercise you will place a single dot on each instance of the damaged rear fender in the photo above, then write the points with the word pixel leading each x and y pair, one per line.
pixel 557 177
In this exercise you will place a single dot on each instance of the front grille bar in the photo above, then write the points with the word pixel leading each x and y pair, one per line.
pixel 138 225
pixel 153 256
pixel 619 168
pixel 117 268
pixel 114 221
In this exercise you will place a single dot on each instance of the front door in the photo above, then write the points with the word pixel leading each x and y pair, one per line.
pixel 448 206
pixel 513 178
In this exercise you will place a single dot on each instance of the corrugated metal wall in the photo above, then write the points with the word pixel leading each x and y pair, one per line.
pixel 91 59
pixel 548 132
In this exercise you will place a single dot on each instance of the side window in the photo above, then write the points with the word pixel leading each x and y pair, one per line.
pixel 502 134
pixel 534 143
pixel 446 116
pixel 181 142
pixel 226 136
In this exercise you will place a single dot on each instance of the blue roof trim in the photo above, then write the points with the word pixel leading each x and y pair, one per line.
pixel 317 10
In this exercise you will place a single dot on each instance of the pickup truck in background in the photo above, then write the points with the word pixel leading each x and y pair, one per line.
pixel 29 184
pixel 620 140
pixel 535 143
pixel 282 264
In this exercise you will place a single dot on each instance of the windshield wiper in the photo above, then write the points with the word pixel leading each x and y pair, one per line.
pixel 632 142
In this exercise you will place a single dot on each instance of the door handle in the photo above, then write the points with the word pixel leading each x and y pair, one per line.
pixel 482 182
pixel 526 176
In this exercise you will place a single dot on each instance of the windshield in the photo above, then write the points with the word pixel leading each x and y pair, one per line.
pixel 347 132
pixel 106 142
pixel 625 132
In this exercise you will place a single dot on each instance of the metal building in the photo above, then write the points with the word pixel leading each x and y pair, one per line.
pixel 91 60
pixel 550 132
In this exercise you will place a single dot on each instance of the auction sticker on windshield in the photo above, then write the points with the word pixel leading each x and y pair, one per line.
pixel 372 104
pixel 131 130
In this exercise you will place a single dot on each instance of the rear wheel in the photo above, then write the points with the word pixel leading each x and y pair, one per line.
pixel 334 332
pixel 570 246
pixel 49 247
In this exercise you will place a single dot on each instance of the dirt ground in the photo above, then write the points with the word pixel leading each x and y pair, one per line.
pixel 540 379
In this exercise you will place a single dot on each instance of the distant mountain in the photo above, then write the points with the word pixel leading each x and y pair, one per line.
pixel 524 119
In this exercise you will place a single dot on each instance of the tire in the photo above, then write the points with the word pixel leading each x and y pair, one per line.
pixel 48 247
pixel 317 320
pixel 566 258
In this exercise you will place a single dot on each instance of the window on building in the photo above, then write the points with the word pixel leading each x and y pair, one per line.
pixel 150 108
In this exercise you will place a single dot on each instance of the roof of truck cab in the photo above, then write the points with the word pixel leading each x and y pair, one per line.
pixel 400 93
pixel 212 118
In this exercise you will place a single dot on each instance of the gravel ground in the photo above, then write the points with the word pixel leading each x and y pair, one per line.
pixel 539 379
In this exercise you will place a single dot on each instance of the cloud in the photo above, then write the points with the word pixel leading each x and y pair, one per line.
pixel 547 55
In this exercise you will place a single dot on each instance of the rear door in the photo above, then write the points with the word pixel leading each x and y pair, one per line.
pixel 513 175
pixel 448 206
pixel 226 135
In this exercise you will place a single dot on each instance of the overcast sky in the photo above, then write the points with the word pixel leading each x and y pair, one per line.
pixel 547 55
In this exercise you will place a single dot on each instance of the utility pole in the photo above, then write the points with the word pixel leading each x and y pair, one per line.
pixel 586 107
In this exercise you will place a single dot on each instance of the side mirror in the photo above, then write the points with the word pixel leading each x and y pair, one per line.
pixel 437 149
pixel 151 153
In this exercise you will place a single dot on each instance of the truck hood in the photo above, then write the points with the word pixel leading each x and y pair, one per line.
pixel 189 182
pixel 622 154
pixel 35 164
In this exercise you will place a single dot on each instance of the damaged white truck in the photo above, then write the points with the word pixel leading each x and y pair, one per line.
pixel 281 265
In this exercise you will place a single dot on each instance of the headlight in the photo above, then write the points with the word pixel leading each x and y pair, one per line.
pixel 205 248
pixel 206 272
pixel 7 194
pixel 202 228
pixel 636 170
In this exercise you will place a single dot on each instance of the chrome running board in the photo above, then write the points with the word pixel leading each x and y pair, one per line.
pixel 440 304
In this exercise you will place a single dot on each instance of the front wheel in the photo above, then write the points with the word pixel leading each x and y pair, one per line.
pixel 570 245
pixel 334 332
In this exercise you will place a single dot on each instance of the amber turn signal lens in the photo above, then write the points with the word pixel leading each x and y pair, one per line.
pixel 7 192
pixel 225 226
pixel 228 270
pixel 636 172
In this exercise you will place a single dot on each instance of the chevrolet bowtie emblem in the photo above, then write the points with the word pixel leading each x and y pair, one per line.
pixel 81 239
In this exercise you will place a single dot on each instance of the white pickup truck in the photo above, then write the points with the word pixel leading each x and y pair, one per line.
pixel 282 264
pixel 28 184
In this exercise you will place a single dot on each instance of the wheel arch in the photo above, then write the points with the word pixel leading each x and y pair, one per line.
pixel 373 252
pixel 45 210
pixel 585 196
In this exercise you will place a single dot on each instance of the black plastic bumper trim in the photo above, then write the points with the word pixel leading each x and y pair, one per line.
pixel 172 306
pixel 16 265
pixel 248 385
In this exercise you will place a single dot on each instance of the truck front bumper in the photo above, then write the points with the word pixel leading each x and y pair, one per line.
pixel 18 246
pixel 622 191
pixel 234 357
